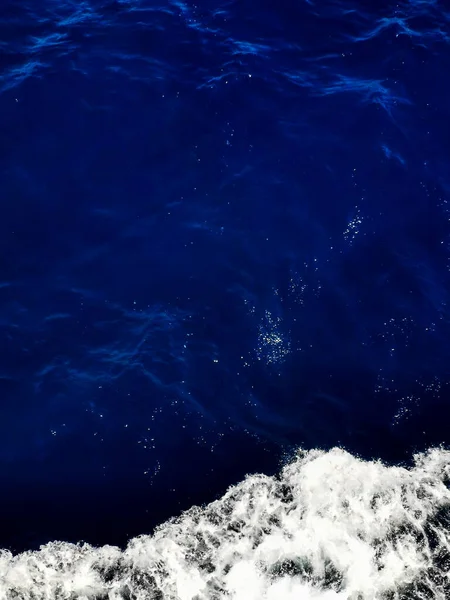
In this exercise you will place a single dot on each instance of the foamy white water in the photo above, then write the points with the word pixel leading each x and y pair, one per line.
pixel 329 527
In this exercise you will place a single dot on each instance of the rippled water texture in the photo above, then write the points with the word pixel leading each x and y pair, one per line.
pixel 224 236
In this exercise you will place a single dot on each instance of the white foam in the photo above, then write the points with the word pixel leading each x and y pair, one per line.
pixel 329 527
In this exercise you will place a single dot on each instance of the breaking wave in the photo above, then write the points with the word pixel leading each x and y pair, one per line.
pixel 330 526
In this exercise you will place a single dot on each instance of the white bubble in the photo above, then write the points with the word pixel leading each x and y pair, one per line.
pixel 329 527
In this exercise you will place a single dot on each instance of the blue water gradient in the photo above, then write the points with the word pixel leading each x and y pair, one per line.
pixel 224 235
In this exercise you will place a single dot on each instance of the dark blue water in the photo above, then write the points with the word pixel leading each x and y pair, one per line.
pixel 224 235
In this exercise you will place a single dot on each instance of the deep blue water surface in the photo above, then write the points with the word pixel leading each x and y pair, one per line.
pixel 224 234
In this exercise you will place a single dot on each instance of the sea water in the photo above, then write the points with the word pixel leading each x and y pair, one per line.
pixel 225 247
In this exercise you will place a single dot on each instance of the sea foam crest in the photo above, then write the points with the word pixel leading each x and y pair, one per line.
pixel 330 526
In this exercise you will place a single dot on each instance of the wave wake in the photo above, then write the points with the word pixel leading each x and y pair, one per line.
pixel 328 526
